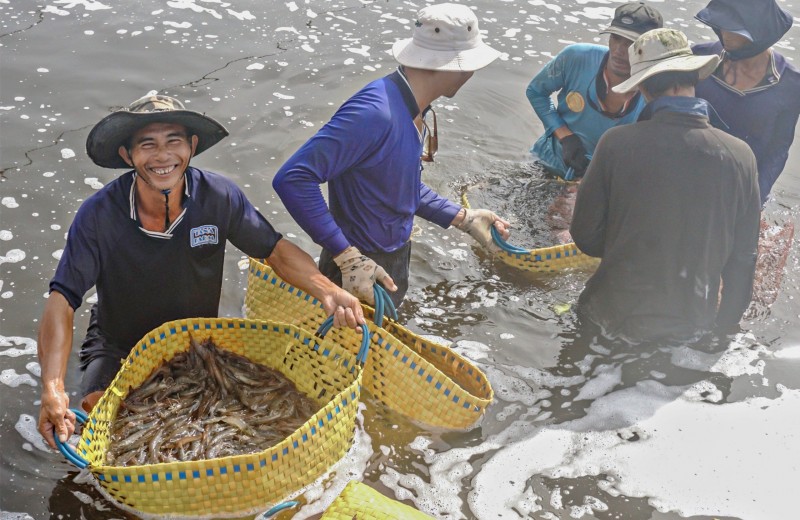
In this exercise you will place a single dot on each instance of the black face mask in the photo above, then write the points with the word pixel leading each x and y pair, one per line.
pixel 742 53
pixel 762 21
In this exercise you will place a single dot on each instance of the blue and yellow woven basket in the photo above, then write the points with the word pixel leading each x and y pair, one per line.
pixel 232 486
pixel 425 381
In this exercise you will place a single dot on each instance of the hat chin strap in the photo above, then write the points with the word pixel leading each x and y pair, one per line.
pixel 165 193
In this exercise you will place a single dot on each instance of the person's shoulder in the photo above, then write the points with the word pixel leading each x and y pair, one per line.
pixel 583 50
pixel 707 48
pixel 112 194
pixel 786 68
pixel 207 180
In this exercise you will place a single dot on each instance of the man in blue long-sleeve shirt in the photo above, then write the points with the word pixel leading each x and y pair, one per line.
pixel 369 155
pixel 583 75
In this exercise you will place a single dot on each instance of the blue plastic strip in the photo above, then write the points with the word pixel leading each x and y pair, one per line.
pixel 69 453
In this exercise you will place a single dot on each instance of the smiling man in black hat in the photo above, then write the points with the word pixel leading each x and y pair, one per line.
pixel 583 75
pixel 153 244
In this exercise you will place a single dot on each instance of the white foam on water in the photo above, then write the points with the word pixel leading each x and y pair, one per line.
pixel 57 254
pixel 292 6
pixel 6 234
pixel 177 25
pixel 93 182
pixel 6 295
pixel 10 515
pixel 88 33
pixel 55 10
pixel 9 202
pixel 244 15
pixel 282 96
pixel 28 346
pixel 255 66
pixel 362 51
pixel 473 350
pixel 89 5
pixel 34 368
pixel 325 489
pixel 9 377
pixel 460 255
pixel 13 256
pixel 48 174
pixel 736 459
pixel 189 4
pixel 788 353
pixel 605 378
pixel 26 427
pixel 67 153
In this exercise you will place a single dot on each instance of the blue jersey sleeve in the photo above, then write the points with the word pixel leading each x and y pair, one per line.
pixel 249 231
pixel 435 208
pixel 79 265
pixel 350 137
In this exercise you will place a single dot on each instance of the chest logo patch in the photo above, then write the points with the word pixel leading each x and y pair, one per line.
pixel 204 235
pixel 575 102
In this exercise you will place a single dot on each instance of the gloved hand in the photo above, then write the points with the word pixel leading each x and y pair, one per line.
pixel 478 224
pixel 574 154
pixel 359 274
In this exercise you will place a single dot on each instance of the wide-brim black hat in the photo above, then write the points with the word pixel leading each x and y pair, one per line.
pixel 116 129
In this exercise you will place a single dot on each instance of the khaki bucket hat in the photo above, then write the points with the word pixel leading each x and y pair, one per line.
pixel 116 129
pixel 446 37
pixel 663 50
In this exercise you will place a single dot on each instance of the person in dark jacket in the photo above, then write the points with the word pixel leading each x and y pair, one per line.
pixel 671 205
pixel 754 89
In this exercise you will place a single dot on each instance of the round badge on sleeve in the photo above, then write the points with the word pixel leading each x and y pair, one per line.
pixel 575 102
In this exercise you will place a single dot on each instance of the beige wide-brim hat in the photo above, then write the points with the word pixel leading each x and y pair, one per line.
pixel 663 50
pixel 114 130
pixel 446 37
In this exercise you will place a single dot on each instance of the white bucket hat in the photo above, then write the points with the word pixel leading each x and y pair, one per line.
pixel 446 37
pixel 663 50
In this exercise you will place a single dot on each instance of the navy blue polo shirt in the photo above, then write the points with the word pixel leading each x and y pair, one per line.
pixel 144 279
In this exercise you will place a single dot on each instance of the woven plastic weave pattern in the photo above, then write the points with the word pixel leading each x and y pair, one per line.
pixel 425 381
pixel 244 483
pixel 360 501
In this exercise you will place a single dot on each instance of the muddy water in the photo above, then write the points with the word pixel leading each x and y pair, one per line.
pixel 581 428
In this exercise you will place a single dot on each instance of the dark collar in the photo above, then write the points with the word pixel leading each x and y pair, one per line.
pixel 398 78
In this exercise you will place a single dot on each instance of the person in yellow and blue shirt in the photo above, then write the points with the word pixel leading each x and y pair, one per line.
pixel 583 75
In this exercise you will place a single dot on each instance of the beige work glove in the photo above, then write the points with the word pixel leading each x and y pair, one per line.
pixel 359 274
pixel 478 224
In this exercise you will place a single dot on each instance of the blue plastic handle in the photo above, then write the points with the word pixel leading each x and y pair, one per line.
pixel 361 357
pixel 69 453
pixel 278 508
pixel 326 326
pixel 363 350
pixel 505 246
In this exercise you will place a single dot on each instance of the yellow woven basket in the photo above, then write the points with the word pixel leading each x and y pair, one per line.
pixel 360 501
pixel 546 259
pixel 232 486
pixel 425 381
pixel 549 259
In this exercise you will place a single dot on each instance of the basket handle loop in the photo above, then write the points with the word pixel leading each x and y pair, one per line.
pixel 361 357
pixel 505 246
pixel 383 305
pixel 278 508
pixel 69 453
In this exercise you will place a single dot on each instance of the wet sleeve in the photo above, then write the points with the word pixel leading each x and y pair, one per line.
pixel 79 266
pixel 739 270
pixel 550 79
pixel 249 231
pixel 355 132
pixel 590 216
